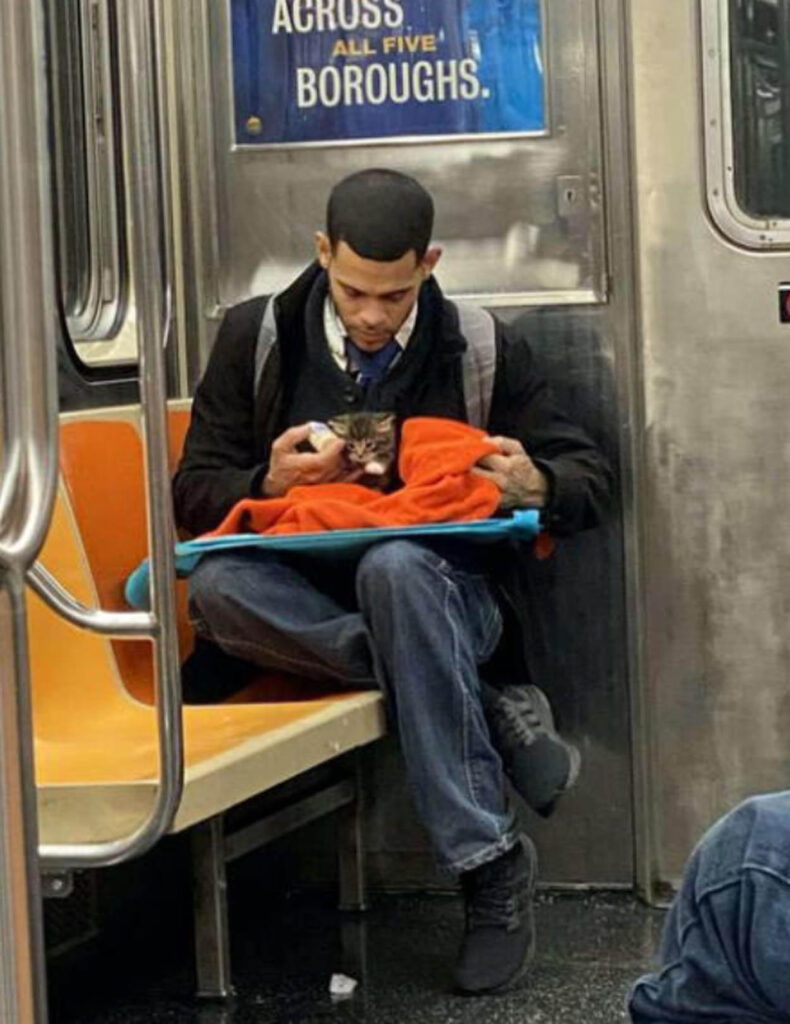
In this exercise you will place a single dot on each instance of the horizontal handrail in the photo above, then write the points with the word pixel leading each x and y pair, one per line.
pixel 96 620
pixel 137 50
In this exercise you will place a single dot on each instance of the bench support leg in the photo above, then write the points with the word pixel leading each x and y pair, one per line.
pixel 351 850
pixel 212 934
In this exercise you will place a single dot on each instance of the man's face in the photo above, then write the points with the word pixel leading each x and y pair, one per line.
pixel 373 298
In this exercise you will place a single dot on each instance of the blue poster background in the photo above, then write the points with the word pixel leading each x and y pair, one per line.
pixel 502 37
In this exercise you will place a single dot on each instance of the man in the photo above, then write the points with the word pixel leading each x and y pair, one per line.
pixel 726 947
pixel 366 327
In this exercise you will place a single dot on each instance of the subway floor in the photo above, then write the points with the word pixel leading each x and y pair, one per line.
pixel 590 949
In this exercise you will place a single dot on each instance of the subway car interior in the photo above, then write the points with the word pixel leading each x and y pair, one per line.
pixel 612 177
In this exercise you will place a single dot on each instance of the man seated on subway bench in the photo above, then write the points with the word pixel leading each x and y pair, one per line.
pixel 366 328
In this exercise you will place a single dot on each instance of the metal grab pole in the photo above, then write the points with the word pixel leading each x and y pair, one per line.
pixel 29 477
pixel 96 620
pixel 27 493
pixel 137 50
pixel 22 970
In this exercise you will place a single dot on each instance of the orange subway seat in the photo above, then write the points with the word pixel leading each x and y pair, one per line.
pixel 94 726
pixel 102 467
pixel 84 718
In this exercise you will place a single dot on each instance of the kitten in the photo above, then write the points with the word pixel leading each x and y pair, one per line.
pixel 370 445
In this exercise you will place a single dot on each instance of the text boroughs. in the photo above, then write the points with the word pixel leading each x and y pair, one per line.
pixel 399 82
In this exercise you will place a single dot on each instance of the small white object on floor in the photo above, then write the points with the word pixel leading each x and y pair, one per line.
pixel 341 986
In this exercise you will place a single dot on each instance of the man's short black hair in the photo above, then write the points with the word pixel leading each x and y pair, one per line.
pixel 381 215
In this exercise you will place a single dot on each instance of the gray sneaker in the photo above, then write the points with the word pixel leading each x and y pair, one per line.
pixel 499 942
pixel 539 762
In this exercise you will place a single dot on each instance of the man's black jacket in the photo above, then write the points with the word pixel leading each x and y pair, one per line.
pixel 233 424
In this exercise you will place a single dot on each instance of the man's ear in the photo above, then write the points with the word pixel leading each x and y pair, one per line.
pixel 323 249
pixel 430 259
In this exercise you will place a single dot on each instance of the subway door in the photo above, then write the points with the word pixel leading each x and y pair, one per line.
pixel 711 105
pixel 497 109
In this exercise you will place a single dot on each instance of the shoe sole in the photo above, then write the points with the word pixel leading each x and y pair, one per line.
pixel 547 718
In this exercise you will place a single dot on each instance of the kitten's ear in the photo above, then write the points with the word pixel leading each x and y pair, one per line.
pixel 385 423
pixel 339 426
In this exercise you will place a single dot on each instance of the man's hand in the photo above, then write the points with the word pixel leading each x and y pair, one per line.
pixel 291 468
pixel 518 478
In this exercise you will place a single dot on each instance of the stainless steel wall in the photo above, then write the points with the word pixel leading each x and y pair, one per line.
pixel 251 213
pixel 714 466
pixel 244 223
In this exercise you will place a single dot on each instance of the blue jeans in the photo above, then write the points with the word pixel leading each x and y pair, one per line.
pixel 412 619
pixel 726 946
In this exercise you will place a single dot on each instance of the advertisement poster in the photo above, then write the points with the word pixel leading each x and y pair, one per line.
pixel 329 71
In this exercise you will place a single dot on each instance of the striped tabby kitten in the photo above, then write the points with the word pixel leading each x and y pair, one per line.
pixel 370 445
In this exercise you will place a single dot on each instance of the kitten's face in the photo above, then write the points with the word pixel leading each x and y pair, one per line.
pixel 369 437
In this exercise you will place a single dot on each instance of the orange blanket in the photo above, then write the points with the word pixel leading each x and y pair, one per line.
pixel 435 462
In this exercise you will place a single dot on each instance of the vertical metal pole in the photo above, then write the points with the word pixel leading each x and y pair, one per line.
pixel 153 301
pixel 29 478
pixel 353 881
pixel 210 901
pixel 351 849
pixel 22 972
